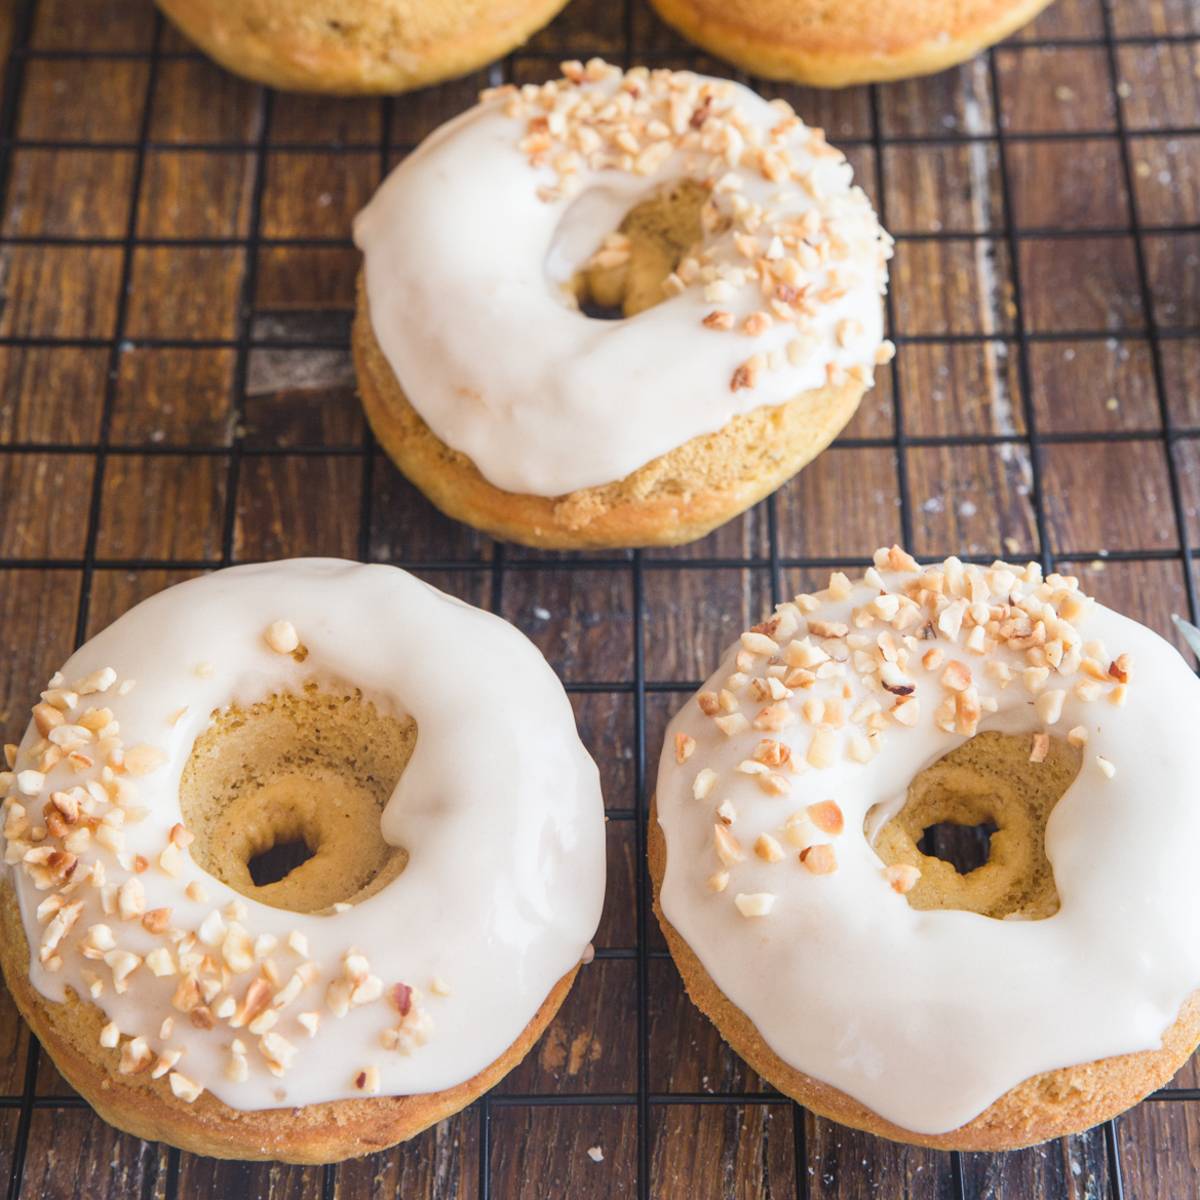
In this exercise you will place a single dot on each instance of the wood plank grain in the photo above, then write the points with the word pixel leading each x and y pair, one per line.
pixel 1052 89
pixel 1166 177
pixel 1082 485
pixel 51 393
pixel 1159 1145
pixel 125 25
pixel 846 1164
pixel 285 507
pixel 954 101
pixel 741 1152
pixel 440 1164
pixel 74 1155
pixel 960 389
pixel 405 525
pixel 543 1151
pixel 1075 1168
pixel 693 615
pixel 842 499
pixel 1163 88
pixel 58 291
pixel 173 397
pixel 1094 386
pixel 960 285
pixel 943 188
pixel 687 1054
pixel 1080 284
pixel 184 292
pixel 162 506
pixel 195 194
pixel 251 1180
pixel 69 193
pixel 1173 270
pixel 1067 185
pixel 580 620
pixel 46 495
pixel 316 195
pixel 231 109
pixel 587 1047
pixel 971 500
pixel 83 100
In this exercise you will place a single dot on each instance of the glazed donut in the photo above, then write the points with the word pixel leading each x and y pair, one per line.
pixel 747 270
pixel 357 46
pixel 425 758
pixel 853 41
pixel 1031 998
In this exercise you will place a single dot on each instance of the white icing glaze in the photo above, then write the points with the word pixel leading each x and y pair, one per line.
pixel 465 268
pixel 499 808
pixel 928 1017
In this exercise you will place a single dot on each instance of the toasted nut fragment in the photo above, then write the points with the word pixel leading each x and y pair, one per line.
pixel 718 881
pixel 1078 736
pixel 282 637
pixel 684 747
pixel 1105 766
pixel 704 783
pixel 827 817
pixel 1049 705
pixel 767 848
pixel 820 859
pixel 1040 748
pixel 710 706
pixel 367 1080
pixel 1121 667
pixel 729 849
pixel 185 1088
pixel 956 676
pixel 754 904
pixel 822 749
pixel 732 724
pixel 901 877
pixel 141 760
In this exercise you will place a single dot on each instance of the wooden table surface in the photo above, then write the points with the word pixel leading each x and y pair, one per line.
pixel 176 394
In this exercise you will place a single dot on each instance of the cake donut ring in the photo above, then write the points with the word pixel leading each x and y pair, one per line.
pixel 1031 998
pixel 835 45
pixel 747 271
pixel 353 47
pixel 426 755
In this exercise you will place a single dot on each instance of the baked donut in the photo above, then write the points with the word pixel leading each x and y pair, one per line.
pixel 1033 997
pixel 418 752
pixel 724 234
pixel 853 41
pixel 357 46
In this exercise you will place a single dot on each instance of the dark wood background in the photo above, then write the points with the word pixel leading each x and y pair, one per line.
pixel 176 394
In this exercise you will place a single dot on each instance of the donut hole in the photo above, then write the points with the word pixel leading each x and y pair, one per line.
pixel 628 273
pixel 280 860
pixel 965 847
pixel 974 824
pixel 284 798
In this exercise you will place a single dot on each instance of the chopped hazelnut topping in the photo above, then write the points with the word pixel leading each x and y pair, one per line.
pixel 819 859
pixel 684 747
pixel 1078 736
pixel 767 848
pixel 754 904
pixel 729 849
pixel 1105 766
pixel 718 881
pixel 1040 748
pixel 827 817
pixel 281 636
pixel 184 1088
pixel 901 877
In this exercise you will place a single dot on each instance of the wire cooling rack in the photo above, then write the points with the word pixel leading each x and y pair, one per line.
pixel 176 281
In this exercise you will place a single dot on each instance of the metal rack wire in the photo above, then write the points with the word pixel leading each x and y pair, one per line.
pixel 634 678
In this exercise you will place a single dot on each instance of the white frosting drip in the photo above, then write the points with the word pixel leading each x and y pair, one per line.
pixel 464 268
pixel 499 809
pixel 928 1017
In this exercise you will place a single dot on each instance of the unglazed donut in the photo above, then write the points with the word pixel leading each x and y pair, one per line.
pixel 852 41
pixel 1033 997
pixel 736 360
pixel 357 46
pixel 425 754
